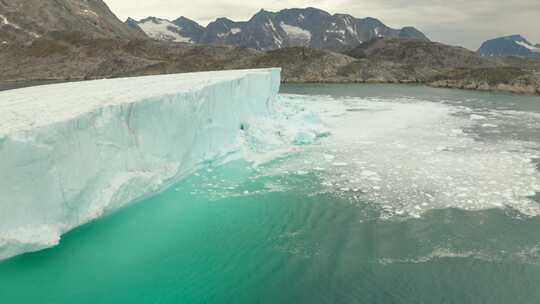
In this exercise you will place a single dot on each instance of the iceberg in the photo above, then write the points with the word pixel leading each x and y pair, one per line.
pixel 72 152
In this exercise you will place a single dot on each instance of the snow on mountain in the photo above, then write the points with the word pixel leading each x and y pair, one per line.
pixel 309 27
pixel 4 21
pixel 72 152
pixel 296 34
pixel 528 46
pixel 6 25
pixel 161 29
pixel 514 45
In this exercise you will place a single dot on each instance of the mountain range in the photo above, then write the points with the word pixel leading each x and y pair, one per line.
pixel 307 27
pixel 514 45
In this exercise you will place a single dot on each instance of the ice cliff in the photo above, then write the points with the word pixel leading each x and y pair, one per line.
pixel 72 152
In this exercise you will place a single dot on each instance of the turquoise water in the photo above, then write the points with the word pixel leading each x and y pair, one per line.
pixel 338 221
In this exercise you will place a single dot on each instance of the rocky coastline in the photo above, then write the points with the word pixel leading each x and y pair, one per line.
pixel 395 61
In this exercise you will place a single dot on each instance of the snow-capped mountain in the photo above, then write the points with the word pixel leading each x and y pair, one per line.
pixel 179 30
pixel 266 30
pixel 515 45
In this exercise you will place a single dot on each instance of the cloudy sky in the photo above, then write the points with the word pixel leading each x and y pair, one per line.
pixel 458 22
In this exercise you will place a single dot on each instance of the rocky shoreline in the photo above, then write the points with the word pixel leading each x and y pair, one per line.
pixel 508 88
pixel 394 61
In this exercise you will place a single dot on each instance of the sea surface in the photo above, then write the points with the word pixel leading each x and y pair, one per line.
pixel 414 195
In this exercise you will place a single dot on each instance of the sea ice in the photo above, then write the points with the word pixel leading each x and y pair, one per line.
pixel 421 156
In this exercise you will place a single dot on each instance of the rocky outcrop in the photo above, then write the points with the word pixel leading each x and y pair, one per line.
pixel 303 64
pixel 439 65
pixel 506 79
pixel 22 21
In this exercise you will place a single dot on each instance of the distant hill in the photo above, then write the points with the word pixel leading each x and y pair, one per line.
pixel 440 65
pixel 515 45
pixel 308 27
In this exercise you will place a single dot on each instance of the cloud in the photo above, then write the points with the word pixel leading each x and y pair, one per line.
pixel 458 22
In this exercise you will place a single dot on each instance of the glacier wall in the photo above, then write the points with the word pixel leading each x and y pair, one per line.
pixel 71 152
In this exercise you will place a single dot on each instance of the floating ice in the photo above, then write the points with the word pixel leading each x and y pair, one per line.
pixel 411 156
pixel 477 117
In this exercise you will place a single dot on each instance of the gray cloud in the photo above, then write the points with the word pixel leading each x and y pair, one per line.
pixel 458 22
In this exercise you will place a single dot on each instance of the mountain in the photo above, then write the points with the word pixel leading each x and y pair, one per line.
pixel 515 45
pixel 418 53
pixel 301 64
pixel 179 30
pixel 190 28
pixel 308 27
pixel 26 20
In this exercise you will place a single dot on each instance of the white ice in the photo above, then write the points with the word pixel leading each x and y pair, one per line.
pixel 72 152
pixel 409 156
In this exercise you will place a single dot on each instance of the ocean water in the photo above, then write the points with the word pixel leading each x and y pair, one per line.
pixel 415 195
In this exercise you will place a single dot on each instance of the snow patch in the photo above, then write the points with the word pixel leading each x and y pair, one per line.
pixel 528 46
pixel 295 33
pixel 339 32
pixel 90 13
pixel 271 26
pixel 4 21
pixel 160 29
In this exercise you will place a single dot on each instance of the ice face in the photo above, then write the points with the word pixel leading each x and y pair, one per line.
pixel 72 152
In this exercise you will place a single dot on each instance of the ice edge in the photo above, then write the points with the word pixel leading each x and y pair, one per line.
pixel 103 153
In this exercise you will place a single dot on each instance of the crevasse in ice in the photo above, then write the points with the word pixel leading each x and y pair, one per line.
pixel 71 152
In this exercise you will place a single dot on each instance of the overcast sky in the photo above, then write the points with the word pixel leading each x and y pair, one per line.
pixel 458 22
